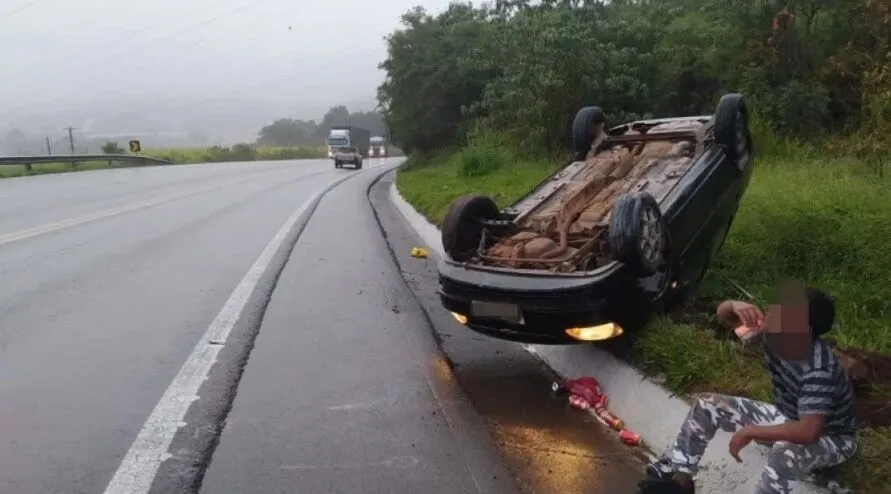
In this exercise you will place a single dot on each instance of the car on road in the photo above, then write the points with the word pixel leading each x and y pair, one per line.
pixel 625 230
pixel 350 155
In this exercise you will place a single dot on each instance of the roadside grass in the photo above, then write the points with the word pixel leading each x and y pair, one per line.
pixel 805 217
pixel 221 154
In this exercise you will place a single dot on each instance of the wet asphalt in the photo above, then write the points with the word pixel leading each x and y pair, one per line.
pixel 343 374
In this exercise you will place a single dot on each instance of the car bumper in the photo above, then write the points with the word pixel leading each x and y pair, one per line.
pixel 551 309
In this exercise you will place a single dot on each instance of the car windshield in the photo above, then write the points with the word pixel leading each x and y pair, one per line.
pixel 346 149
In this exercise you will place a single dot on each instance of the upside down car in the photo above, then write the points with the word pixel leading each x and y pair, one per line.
pixel 625 230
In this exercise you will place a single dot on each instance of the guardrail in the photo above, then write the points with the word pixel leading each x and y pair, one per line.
pixel 81 158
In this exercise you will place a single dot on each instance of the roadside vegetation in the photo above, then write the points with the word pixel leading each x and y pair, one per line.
pixel 482 100
pixel 238 152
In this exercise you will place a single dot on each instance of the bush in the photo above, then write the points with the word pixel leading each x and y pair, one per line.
pixel 112 147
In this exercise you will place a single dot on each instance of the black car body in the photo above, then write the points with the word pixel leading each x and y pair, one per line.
pixel 538 306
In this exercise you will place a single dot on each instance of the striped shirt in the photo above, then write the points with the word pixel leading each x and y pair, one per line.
pixel 816 387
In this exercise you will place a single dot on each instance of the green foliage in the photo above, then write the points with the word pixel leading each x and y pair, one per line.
pixel 239 152
pixel 288 132
pixel 112 147
pixel 522 69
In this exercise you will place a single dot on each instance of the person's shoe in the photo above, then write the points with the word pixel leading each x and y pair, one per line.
pixel 660 470
pixel 663 486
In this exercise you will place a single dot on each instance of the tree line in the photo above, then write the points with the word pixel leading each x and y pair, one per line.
pixel 290 132
pixel 809 68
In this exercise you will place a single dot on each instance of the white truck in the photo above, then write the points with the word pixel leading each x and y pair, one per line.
pixel 342 136
pixel 378 146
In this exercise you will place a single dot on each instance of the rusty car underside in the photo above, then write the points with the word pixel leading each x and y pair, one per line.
pixel 562 226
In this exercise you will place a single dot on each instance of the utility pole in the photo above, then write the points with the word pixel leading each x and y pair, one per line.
pixel 71 143
pixel 49 150
pixel 71 138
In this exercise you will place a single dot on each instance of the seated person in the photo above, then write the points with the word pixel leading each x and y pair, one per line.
pixel 811 424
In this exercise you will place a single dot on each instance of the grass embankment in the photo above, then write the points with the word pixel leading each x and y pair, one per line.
pixel 821 221
pixel 180 156
pixel 220 154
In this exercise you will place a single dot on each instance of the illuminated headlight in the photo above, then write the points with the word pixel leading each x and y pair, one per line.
pixel 461 318
pixel 596 333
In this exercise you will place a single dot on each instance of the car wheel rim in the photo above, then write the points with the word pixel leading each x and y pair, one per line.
pixel 651 238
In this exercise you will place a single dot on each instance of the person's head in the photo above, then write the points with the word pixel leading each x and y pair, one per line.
pixel 803 314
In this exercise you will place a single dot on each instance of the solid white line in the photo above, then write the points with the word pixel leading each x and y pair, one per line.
pixel 108 213
pixel 139 467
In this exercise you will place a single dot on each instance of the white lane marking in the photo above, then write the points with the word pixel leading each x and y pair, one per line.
pixel 108 213
pixel 140 466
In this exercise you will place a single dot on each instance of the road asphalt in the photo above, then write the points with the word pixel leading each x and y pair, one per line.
pixel 332 374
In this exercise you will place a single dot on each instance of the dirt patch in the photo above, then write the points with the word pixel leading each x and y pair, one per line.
pixel 873 386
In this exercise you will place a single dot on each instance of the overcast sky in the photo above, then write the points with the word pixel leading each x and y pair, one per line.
pixel 59 54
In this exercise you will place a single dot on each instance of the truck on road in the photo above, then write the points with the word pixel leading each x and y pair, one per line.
pixel 378 146
pixel 340 136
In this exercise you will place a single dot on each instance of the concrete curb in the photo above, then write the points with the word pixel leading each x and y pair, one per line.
pixel 645 406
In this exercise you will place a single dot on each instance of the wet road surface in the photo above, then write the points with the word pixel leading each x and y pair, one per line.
pixel 343 387
pixel 107 281
pixel 341 390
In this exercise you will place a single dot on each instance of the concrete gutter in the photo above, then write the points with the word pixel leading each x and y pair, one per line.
pixel 646 407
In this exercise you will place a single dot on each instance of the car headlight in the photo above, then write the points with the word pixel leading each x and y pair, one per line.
pixel 596 333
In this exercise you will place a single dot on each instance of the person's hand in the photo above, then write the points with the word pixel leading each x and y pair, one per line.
pixel 739 441
pixel 749 315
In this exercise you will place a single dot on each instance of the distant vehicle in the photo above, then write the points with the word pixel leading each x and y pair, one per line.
pixel 347 154
pixel 626 230
pixel 378 146
pixel 348 136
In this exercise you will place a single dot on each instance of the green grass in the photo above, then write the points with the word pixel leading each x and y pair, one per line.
pixel 218 154
pixel 431 185
pixel 824 222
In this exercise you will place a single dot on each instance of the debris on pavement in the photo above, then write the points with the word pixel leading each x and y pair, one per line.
pixel 585 394
pixel 419 252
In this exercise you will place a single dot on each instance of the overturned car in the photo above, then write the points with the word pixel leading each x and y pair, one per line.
pixel 625 230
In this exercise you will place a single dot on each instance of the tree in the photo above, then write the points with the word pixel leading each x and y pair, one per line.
pixel 288 132
pixel 522 68
pixel 112 147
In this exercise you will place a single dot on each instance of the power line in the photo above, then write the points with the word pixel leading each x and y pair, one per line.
pixel 135 63
pixel 16 10
pixel 161 39
pixel 286 76
pixel 271 64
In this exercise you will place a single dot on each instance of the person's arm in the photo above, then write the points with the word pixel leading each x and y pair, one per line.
pixel 806 430
pixel 736 312
pixel 815 404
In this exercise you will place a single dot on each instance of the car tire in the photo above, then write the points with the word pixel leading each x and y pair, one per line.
pixel 731 125
pixel 461 230
pixel 359 165
pixel 337 164
pixel 638 234
pixel 588 123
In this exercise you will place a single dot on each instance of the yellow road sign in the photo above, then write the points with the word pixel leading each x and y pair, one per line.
pixel 135 147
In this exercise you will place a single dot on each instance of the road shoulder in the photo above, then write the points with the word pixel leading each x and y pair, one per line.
pixel 345 389
pixel 550 447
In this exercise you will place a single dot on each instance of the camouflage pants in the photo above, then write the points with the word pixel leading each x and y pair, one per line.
pixel 787 463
